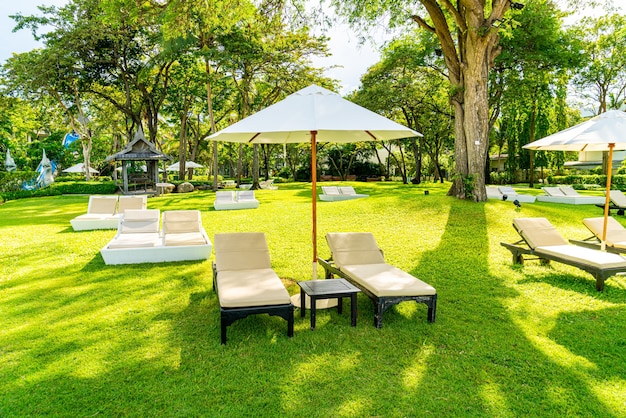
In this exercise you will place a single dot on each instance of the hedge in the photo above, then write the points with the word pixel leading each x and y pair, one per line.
pixel 618 181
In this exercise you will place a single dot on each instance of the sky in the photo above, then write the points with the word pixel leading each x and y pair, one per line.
pixel 351 59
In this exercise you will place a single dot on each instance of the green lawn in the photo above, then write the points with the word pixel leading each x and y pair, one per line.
pixel 79 338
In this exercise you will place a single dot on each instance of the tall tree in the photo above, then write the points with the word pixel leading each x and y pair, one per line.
pixel 407 86
pixel 468 37
pixel 603 78
pixel 112 55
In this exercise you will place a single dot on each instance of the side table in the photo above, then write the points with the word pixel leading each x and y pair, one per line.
pixel 328 289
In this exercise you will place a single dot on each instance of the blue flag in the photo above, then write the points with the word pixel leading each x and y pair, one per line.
pixel 70 138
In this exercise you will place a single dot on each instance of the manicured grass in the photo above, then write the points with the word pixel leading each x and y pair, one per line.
pixel 79 338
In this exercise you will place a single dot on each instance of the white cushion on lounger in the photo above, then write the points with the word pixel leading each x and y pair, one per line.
pixel 139 221
pixel 183 227
pixel 132 240
pixel 615 232
pixel 102 204
pixel 386 280
pixel 241 251
pixel 187 238
pixel 258 287
pixel 354 248
pixel 587 256
pixel 538 232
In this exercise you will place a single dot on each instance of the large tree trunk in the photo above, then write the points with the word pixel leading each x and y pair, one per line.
pixel 468 60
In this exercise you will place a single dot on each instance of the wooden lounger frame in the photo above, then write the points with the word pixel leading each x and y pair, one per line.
pixel 381 303
pixel 601 275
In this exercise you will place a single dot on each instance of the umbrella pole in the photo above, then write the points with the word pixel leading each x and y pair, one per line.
pixel 314 197
pixel 608 196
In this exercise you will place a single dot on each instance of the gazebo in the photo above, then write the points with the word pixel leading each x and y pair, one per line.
pixel 140 149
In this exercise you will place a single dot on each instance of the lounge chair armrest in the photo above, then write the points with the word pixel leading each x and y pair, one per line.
pixel 330 268
pixel 518 251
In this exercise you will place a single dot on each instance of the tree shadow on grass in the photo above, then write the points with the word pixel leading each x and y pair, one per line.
pixel 475 351
pixel 604 342
pixel 579 281
pixel 473 324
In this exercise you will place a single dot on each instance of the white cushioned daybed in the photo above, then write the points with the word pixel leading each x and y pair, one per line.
pixel 337 193
pixel 139 238
pixel 569 196
pixel 230 200
pixel 356 257
pixel 103 212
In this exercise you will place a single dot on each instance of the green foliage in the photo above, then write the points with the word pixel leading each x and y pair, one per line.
pixel 85 187
pixel 602 80
pixel 469 185
pixel 617 181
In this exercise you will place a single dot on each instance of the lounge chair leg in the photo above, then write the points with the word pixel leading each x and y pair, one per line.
pixel 599 284
pixel 223 325
pixel 378 314
pixel 290 324
pixel 518 258
pixel 432 308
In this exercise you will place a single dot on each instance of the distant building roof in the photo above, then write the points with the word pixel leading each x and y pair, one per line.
pixel 139 149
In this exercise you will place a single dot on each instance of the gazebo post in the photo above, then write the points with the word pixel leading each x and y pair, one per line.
pixel 125 175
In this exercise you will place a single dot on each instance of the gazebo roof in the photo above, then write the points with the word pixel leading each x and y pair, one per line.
pixel 139 149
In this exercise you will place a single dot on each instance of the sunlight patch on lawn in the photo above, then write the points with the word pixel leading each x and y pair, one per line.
pixel 495 400
pixel 417 371
pixel 611 392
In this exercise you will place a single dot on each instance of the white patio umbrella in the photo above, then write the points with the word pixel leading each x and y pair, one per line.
pixel 605 132
pixel 79 168
pixel 188 165
pixel 313 114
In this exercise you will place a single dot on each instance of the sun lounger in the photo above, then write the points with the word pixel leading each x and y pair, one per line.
pixel 230 200
pixel 615 235
pixel 137 228
pixel 335 193
pixel 183 228
pixel 268 184
pixel 131 202
pixel 618 202
pixel 512 195
pixel 540 239
pixel 140 239
pixel 356 257
pixel 568 195
pixel 246 198
pixel 493 192
pixel 245 282
pixel 101 214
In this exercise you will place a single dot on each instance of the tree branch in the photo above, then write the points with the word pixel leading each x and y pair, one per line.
pixel 458 18
pixel 422 23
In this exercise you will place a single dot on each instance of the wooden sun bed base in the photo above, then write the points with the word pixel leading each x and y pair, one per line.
pixel 601 275
pixel 230 315
pixel 381 303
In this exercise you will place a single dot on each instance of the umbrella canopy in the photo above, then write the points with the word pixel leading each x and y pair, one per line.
pixel 604 132
pixel 188 165
pixel 79 168
pixel 313 114
pixel 9 163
